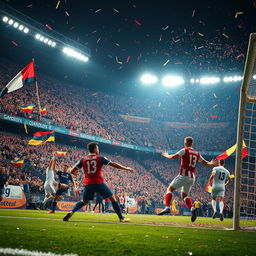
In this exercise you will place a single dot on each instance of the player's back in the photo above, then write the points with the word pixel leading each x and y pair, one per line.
pixel 64 177
pixel 49 175
pixel 221 175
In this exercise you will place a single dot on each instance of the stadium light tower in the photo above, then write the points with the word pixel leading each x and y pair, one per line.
pixel 172 81
pixel 148 79
pixel 43 33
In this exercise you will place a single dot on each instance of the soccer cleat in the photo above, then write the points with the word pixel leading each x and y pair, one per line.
pixel 214 215
pixel 67 217
pixel 51 212
pixel 124 220
pixel 165 211
pixel 221 217
pixel 193 215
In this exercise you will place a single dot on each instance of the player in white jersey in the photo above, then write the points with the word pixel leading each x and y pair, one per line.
pixel 219 179
pixel 49 180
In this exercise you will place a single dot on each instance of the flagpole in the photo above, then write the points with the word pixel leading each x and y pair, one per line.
pixel 38 98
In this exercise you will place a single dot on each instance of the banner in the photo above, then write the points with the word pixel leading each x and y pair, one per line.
pixel 13 197
pixel 196 125
pixel 67 206
pixel 136 119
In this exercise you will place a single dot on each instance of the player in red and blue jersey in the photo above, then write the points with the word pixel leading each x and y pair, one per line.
pixel 93 179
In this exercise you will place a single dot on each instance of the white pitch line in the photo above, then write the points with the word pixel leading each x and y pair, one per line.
pixel 24 252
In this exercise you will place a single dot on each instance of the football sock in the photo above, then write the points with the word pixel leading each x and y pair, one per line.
pixel 214 205
pixel 78 206
pixel 221 205
pixel 117 209
pixel 54 203
pixel 188 202
pixel 47 199
pixel 168 199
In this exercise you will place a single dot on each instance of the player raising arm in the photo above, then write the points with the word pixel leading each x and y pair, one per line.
pixel 186 179
pixel 93 179
pixel 49 180
pixel 218 180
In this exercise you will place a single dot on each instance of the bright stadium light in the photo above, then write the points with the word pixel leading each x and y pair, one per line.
pixel 26 30
pixel 53 44
pixel 21 27
pixel 171 81
pixel 209 80
pixel 16 24
pixel 75 54
pixel 37 36
pixel 148 79
pixel 192 81
pixel 41 38
pixel 5 19
pixel 10 22
pixel 254 77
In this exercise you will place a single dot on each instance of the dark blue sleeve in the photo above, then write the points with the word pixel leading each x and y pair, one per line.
pixel 70 177
pixel 58 172
pixel 79 164
pixel 105 161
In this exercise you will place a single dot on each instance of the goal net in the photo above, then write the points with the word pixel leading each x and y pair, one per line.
pixel 245 171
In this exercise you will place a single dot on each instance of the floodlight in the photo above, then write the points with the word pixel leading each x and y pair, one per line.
pixel 53 44
pixel 5 19
pixel 16 24
pixel 169 81
pixel 26 30
pixel 38 36
pixel 10 22
pixel 192 81
pixel 21 27
pixel 146 78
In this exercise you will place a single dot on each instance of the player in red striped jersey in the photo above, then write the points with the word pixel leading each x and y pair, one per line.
pixel 189 158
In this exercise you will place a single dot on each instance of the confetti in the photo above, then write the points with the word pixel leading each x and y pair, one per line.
pixel 239 56
pixel 14 43
pixel 213 116
pixel 49 27
pixel 159 104
pixel 200 34
pixel 225 35
pixel 215 106
pixel 67 13
pixel 178 63
pixel 128 59
pixel 160 39
pixel 166 63
pixel 58 3
pixel 165 28
pixel 215 96
pixel 193 13
pixel 98 39
pixel 137 22
pixel 29 5
pixel 238 13
pixel 97 11
pixel 115 10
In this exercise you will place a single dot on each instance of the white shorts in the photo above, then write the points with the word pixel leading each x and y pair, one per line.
pixel 183 182
pixel 218 191
pixel 49 189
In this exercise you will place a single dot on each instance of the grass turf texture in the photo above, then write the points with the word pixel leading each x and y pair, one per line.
pixel 102 234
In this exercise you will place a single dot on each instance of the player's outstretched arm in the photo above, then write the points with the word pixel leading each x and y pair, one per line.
pixel 121 167
pixel 74 170
pixel 165 154
pixel 213 162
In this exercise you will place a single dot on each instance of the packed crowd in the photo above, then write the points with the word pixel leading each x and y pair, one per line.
pixel 99 114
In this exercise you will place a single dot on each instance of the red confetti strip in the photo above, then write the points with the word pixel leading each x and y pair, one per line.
pixel 14 43
pixel 178 63
pixel 193 13
pixel 49 27
pixel 137 22
pixel 214 116
pixel 128 58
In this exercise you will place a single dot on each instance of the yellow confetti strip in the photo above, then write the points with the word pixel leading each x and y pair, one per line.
pixel 225 35
pixel 238 13
pixel 58 3
pixel 200 34
pixel 166 62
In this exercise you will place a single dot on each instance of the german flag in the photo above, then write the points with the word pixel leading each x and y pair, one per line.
pixel 17 163
pixel 40 138
pixel 61 153
pixel 43 111
pixel 26 108
pixel 231 150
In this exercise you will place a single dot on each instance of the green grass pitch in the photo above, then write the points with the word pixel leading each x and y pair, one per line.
pixel 102 234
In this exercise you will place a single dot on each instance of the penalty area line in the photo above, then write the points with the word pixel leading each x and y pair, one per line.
pixel 24 252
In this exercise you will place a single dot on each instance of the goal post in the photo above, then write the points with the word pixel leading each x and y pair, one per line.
pixel 245 182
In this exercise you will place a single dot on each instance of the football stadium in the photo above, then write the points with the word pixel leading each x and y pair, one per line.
pixel 127 127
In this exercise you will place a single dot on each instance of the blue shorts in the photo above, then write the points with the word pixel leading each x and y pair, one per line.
pixel 61 190
pixel 102 189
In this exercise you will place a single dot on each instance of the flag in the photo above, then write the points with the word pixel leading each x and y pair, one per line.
pixel 208 188
pixel 43 111
pixel 25 76
pixel 26 128
pixel 17 163
pixel 231 150
pixel 40 138
pixel 61 153
pixel 26 108
pixel 232 176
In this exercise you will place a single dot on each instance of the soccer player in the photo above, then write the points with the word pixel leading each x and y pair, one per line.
pixel 49 181
pixel 218 180
pixel 64 178
pixel 93 179
pixel 3 181
pixel 186 179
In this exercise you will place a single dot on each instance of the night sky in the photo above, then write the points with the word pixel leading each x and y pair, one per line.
pixel 127 38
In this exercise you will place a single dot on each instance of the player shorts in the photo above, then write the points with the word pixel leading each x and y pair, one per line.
pixel 102 189
pixel 183 182
pixel 49 188
pixel 218 191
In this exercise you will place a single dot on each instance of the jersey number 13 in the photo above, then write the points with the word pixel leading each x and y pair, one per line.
pixel 91 166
